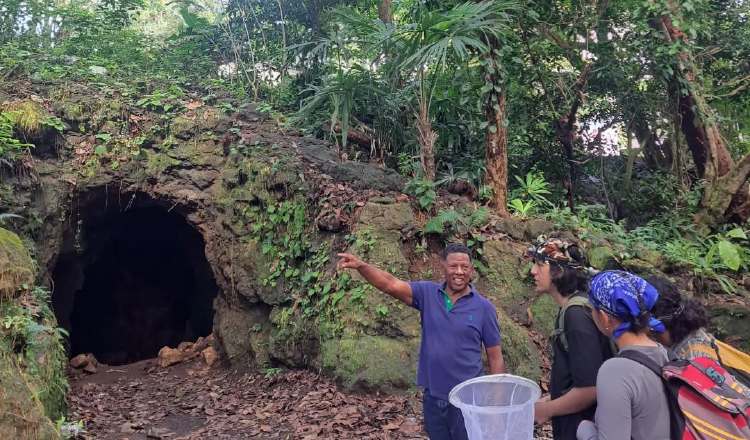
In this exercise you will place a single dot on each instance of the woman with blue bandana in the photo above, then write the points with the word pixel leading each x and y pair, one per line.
pixel 631 402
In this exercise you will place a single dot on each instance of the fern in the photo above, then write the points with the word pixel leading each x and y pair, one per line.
pixel 10 147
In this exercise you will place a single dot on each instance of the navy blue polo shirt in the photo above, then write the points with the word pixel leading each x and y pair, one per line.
pixel 452 337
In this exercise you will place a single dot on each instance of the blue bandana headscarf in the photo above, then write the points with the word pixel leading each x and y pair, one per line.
pixel 625 296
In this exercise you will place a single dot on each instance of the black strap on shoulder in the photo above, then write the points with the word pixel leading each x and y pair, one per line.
pixel 676 419
pixel 642 359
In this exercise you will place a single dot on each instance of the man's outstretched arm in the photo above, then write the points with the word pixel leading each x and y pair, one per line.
pixel 380 279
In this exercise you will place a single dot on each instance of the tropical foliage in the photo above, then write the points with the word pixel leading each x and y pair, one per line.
pixel 639 108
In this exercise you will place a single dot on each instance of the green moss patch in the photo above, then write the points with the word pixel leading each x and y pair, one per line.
pixel 21 412
pixel 16 266
pixel 370 362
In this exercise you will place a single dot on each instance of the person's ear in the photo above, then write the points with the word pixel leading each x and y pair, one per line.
pixel 608 321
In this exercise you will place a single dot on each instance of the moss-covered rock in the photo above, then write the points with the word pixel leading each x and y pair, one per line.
pixel 385 216
pixel 374 329
pixel 513 227
pixel 243 332
pixel 21 413
pixel 543 313
pixel 601 257
pixel 182 127
pixel 370 362
pixel 519 352
pixel 731 323
pixel 641 267
pixel 16 266
pixel 536 227
pixel 506 272
pixel 294 343
pixel 652 257
pixel 377 235
pixel 157 163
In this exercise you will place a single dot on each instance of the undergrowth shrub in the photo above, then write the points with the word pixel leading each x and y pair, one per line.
pixel 719 256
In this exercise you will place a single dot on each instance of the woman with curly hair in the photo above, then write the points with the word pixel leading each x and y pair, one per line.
pixel 685 320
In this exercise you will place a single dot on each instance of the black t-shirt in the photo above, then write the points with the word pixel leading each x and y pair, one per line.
pixel 587 351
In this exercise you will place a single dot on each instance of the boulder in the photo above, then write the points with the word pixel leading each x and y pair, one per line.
pixel 185 346
pixel 201 343
pixel 543 313
pixel 512 227
pixel 86 362
pixel 601 258
pixel 371 362
pixel 79 361
pixel 169 356
pixel 210 356
pixel 731 323
pixel 386 217
pixel 650 256
pixel 521 355
pixel 90 368
pixel 536 227
pixel 641 267
pixel 242 332
pixel 182 127
pixel 506 272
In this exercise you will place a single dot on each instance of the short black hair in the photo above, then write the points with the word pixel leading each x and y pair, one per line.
pixel 680 314
pixel 455 248
pixel 569 280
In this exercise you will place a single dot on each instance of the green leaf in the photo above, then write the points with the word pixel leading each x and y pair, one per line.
pixel 434 226
pixel 100 150
pixel 426 201
pixel 737 233
pixel 729 254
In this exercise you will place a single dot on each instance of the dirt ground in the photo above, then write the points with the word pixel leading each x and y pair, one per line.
pixel 190 401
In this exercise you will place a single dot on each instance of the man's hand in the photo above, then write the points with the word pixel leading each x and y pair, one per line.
pixel 381 279
pixel 349 261
pixel 541 411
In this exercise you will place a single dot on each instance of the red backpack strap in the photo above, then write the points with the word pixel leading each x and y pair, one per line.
pixel 676 418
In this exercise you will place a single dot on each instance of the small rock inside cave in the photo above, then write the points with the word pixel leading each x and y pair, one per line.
pixel 138 281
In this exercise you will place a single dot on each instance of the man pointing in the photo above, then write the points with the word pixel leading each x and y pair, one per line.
pixel 456 322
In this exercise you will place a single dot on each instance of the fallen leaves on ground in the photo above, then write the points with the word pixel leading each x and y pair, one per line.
pixel 195 402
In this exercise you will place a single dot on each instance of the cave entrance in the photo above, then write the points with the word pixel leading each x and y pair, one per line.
pixel 131 280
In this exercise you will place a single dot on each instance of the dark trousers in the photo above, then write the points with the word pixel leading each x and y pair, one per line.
pixel 442 421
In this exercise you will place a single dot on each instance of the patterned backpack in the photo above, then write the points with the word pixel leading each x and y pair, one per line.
pixel 705 402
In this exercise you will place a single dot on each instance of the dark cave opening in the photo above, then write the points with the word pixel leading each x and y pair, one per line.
pixel 130 282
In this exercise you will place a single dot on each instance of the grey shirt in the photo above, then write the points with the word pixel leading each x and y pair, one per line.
pixel 630 399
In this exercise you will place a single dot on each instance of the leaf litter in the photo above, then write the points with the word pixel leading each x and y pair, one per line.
pixel 191 401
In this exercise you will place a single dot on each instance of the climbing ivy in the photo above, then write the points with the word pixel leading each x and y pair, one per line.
pixel 315 290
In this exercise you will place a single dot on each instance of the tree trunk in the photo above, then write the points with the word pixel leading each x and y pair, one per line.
pixel 427 139
pixel 565 129
pixel 385 11
pixel 726 191
pixel 496 146
pixel 723 192
pixel 496 139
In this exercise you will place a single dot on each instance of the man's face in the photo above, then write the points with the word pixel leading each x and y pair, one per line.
pixel 458 271
pixel 542 277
